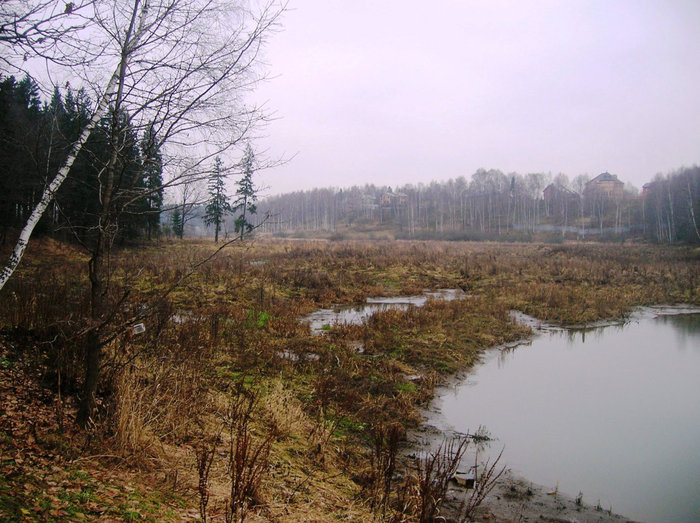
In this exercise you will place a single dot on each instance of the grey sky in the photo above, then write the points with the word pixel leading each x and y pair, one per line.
pixel 394 92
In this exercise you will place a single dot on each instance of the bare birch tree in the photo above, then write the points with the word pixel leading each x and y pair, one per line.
pixel 185 75
pixel 45 29
pixel 179 68
pixel 189 195
pixel 182 66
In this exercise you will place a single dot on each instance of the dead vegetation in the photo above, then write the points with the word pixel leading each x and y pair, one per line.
pixel 228 408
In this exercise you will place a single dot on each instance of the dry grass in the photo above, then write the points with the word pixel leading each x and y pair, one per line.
pixel 232 322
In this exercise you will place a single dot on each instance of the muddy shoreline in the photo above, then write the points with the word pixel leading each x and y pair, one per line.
pixel 514 497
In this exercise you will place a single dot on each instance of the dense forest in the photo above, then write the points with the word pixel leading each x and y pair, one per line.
pixel 35 139
pixel 498 206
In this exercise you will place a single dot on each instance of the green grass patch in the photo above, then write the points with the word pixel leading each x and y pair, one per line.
pixel 406 386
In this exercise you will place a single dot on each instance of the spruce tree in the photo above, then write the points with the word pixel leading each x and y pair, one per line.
pixel 153 180
pixel 177 224
pixel 218 205
pixel 246 193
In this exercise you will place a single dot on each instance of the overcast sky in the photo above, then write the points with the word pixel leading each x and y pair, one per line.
pixel 394 92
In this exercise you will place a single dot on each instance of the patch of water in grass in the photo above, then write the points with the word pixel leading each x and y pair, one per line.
pixel 322 320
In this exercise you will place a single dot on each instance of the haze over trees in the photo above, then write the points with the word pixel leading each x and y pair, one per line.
pixel 672 206
pixel 495 205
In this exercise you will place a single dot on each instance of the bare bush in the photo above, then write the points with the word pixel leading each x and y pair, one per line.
pixel 248 460
pixel 485 483
pixel 425 488
pixel 204 455
pixel 433 474
pixel 385 438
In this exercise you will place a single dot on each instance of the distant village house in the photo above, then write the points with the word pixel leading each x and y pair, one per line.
pixel 556 192
pixel 389 199
pixel 605 185
pixel 647 188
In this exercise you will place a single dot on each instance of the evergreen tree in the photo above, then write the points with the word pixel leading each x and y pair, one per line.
pixel 177 224
pixel 78 198
pixel 129 193
pixel 218 205
pixel 246 193
pixel 153 180
pixel 22 172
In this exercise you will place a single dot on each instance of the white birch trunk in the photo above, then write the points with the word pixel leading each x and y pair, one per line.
pixel 692 210
pixel 50 189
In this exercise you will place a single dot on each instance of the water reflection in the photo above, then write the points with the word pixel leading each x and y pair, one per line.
pixel 687 329
pixel 609 411
pixel 506 353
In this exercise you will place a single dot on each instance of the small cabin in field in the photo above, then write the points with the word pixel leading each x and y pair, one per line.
pixel 605 185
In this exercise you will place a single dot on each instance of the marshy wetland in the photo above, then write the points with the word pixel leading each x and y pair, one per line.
pixel 327 424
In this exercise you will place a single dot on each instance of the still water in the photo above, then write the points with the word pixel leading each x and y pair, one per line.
pixel 611 412
pixel 357 314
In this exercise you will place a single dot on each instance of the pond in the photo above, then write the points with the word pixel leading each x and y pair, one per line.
pixel 611 412
pixel 357 314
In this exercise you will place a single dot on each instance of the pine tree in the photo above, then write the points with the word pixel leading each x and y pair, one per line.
pixel 246 193
pixel 218 205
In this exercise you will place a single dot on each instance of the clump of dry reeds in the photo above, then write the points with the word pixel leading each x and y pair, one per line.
pixel 248 459
pixel 384 443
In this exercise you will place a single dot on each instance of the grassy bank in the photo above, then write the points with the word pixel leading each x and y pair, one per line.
pixel 225 369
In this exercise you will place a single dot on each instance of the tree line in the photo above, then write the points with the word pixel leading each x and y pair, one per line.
pixel 495 205
pixel 35 139
pixel 672 206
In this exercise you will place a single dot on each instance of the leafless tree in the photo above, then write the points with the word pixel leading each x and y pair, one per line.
pixel 189 194
pixel 692 202
pixel 183 73
pixel 45 29
pixel 180 68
